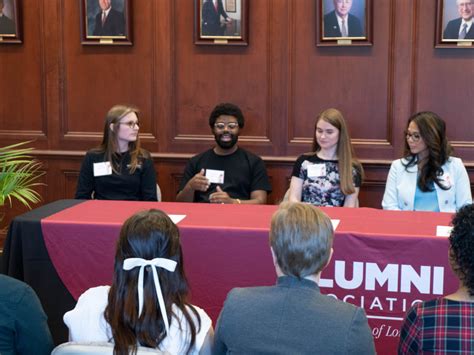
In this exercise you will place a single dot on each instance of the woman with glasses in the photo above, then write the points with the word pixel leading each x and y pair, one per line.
pixel 427 178
pixel 329 175
pixel 147 304
pixel 119 169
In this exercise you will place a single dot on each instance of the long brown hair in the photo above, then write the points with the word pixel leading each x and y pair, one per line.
pixel 109 139
pixel 148 234
pixel 345 153
pixel 433 131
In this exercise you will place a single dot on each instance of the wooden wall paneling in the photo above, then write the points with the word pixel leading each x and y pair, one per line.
pixel 98 77
pixel 207 75
pixel 440 77
pixel 356 80
pixel 22 105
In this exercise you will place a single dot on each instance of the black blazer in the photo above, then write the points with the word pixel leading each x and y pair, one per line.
pixel 114 24
pixel 452 30
pixel 331 26
pixel 7 26
pixel 211 19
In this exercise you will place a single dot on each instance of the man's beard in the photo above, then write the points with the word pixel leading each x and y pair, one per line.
pixel 226 144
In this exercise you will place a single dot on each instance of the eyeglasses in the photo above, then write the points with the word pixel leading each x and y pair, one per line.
pixel 222 125
pixel 131 124
pixel 415 137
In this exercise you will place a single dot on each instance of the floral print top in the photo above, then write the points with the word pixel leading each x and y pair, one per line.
pixel 321 183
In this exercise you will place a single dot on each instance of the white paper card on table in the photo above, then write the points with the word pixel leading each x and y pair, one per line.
pixel 443 231
pixel 335 223
pixel 215 176
pixel 176 218
pixel 102 169
pixel 316 170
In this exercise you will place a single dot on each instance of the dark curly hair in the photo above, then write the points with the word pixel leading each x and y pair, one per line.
pixel 229 110
pixel 462 246
pixel 433 131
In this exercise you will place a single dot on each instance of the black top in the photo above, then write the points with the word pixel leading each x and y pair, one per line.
pixel 323 186
pixel 244 172
pixel 139 186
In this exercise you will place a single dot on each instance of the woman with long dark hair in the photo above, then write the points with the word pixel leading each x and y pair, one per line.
pixel 330 175
pixel 147 302
pixel 427 178
pixel 119 169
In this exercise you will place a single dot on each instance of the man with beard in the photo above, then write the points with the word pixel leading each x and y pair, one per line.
pixel 225 173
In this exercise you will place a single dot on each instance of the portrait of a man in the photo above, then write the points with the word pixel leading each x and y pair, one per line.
pixel 7 23
pixel 340 21
pixel 106 18
pixel 216 22
pixel 461 27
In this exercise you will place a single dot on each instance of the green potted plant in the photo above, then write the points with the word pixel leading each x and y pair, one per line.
pixel 19 174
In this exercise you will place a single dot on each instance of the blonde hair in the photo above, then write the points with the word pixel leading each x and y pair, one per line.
pixel 345 153
pixel 301 237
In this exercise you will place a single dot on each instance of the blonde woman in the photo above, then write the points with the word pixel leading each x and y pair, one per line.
pixel 329 175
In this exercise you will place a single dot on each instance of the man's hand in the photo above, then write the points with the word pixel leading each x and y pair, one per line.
pixel 220 196
pixel 199 182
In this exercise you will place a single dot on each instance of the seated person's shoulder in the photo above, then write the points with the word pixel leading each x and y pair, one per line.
pixel 13 290
pixel 145 154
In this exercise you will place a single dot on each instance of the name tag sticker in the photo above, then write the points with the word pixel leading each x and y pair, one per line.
pixel 102 169
pixel 316 170
pixel 447 180
pixel 215 176
pixel 176 218
pixel 443 231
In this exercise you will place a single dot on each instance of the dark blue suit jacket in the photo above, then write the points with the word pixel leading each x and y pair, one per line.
pixel 452 30
pixel 331 26
pixel 114 24
pixel 7 26
pixel 211 19
pixel 292 317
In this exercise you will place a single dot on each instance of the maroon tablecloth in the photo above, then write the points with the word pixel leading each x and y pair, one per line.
pixel 383 260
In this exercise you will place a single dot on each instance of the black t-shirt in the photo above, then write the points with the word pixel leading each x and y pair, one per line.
pixel 244 172
pixel 139 186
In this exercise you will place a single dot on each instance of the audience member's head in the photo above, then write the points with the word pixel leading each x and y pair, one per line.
pixel 301 238
pixel 146 236
pixel 461 241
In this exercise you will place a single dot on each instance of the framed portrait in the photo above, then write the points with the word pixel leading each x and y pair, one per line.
pixel 344 22
pixel 221 22
pixel 455 24
pixel 10 21
pixel 106 22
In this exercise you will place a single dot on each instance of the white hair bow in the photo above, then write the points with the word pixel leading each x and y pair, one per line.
pixel 170 265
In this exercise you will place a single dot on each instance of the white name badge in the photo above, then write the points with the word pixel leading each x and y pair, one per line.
pixel 443 231
pixel 316 170
pixel 102 169
pixel 215 176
